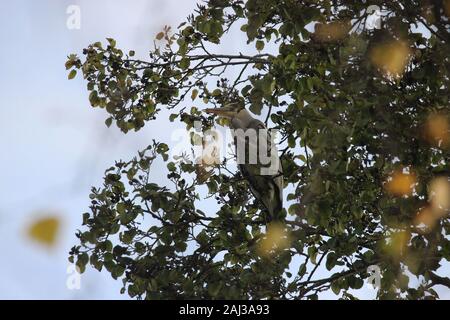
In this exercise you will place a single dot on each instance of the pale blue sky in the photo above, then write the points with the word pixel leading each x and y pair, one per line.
pixel 54 146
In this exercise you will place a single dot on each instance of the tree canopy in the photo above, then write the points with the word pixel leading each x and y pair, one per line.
pixel 363 116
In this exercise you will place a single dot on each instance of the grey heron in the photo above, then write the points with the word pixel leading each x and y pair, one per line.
pixel 265 177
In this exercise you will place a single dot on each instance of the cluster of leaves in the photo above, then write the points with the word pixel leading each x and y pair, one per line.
pixel 155 227
pixel 351 104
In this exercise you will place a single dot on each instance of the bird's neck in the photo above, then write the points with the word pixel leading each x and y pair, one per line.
pixel 242 119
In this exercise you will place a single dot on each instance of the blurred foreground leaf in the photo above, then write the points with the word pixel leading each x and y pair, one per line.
pixel 45 231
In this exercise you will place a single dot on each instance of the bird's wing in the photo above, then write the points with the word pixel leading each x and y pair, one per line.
pixel 267 188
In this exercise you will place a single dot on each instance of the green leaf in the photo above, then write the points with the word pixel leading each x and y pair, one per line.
pixel 256 108
pixel 302 270
pixel 112 42
pixel 294 209
pixel 335 287
pixel 331 261
pixel 83 259
pixel 173 116
pixel 214 288
pixel 259 45
pixel 180 246
pixel 185 63
pixel 93 98
pixel 72 74
pixel 108 122
pixel 312 254
pixel 171 166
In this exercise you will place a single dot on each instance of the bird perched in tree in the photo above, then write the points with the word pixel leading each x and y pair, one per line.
pixel 257 157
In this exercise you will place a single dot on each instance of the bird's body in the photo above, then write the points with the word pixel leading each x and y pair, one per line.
pixel 257 158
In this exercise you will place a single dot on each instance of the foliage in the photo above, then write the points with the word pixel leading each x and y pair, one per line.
pixel 354 107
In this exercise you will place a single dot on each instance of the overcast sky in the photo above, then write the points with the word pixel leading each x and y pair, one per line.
pixel 54 146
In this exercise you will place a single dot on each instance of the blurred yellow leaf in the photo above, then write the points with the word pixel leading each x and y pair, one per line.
pixel 401 184
pixel 332 31
pixel 425 220
pixel 397 244
pixel 210 158
pixel 439 196
pixel 391 57
pixel 211 149
pixel 211 154
pixel 276 239
pixel 160 35
pixel 45 230
pixel 437 130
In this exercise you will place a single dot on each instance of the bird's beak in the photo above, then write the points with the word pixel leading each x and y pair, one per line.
pixel 227 111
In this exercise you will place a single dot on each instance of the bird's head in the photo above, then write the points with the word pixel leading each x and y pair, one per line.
pixel 228 111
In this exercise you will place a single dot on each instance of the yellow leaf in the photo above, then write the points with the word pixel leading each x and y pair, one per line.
pixel 437 130
pixel 211 149
pixel 439 195
pixel 391 57
pixel 276 239
pixel 397 243
pixel 72 74
pixel 425 220
pixel 194 94
pixel 401 184
pixel 332 31
pixel 160 35
pixel 45 231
